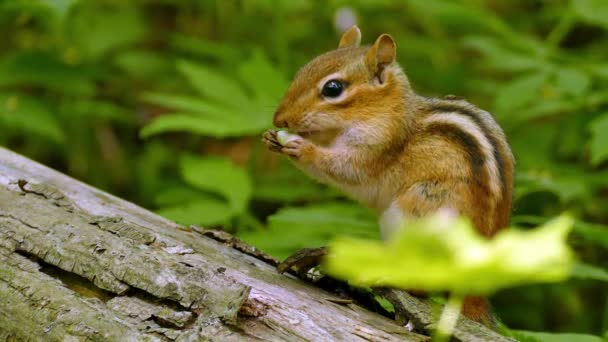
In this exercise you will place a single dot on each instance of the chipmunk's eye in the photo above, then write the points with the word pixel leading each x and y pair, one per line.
pixel 333 88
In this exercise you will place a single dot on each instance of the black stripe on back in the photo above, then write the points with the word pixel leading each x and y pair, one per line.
pixel 469 144
pixel 454 108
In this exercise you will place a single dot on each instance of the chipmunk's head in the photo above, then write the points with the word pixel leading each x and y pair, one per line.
pixel 347 88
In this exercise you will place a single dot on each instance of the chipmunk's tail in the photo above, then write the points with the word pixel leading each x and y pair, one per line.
pixel 478 309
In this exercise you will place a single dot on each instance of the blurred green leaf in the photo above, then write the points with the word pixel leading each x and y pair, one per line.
pixel 142 63
pixel 441 253
pixel 498 57
pixel 38 8
pixel 203 211
pixel 265 81
pixel 178 195
pixel 207 48
pixel 566 184
pixel 592 233
pixel 96 109
pixel 189 104
pixel 61 7
pixel 214 85
pixel 599 70
pixel 599 139
pixel 586 271
pixel 573 82
pixel 519 93
pixel 45 70
pixel 193 123
pixel 592 11
pixel 288 184
pixel 220 176
pixel 99 27
pixel 533 336
pixel 459 16
pixel 311 226
pixel 29 115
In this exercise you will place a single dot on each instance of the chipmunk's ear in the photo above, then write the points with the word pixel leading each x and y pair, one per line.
pixel 351 37
pixel 380 55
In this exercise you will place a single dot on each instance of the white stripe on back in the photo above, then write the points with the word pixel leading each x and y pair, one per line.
pixel 467 125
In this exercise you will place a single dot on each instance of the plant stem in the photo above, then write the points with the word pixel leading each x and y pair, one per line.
pixel 560 31
pixel 448 319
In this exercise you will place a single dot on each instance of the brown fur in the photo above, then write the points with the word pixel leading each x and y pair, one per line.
pixel 386 147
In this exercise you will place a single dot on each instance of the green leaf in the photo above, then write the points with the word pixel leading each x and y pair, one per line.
pixel 592 11
pixel 586 271
pixel 45 70
pixel 265 81
pixel 29 116
pixel 500 58
pixel 209 126
pixel 441 253
pixel 568 185
pixel 220 176
pixel 599 139
pixel 279 186
pixel 206 48
pixel 178 195
pixel 143 63
pixel 599 70
pixel 593 234
pixel 61 7
pixel 456 16
pixel 214 85
pixel 97 28
pixel 184 103
pixel 205 211
pixel 573 82
pixel 519 93
pixel 291 229
pixel 533 336
pixel 96 109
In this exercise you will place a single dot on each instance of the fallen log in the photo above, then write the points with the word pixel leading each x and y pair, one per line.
pixel 82 264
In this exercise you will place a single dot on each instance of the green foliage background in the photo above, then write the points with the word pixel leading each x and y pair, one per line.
pixel 163 102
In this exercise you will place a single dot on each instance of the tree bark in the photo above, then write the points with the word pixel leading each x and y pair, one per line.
pixel 79 264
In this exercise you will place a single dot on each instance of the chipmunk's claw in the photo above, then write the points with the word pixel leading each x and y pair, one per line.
pixel 304 260
pixel 294 148
pixel 269 138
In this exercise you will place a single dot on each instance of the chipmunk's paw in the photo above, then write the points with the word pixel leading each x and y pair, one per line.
pixel 291 145
pixel 270 139
pixel 303 260
pixel 296 147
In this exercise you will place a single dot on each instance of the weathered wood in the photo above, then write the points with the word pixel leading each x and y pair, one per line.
pixel 82 264
pixel 420 314
pixel 142 277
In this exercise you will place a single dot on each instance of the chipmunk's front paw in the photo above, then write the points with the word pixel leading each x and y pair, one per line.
pixel 297 148
pixel 291 145
pixel 271 140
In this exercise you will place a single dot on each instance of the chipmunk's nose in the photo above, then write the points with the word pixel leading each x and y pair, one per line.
pixel 279 121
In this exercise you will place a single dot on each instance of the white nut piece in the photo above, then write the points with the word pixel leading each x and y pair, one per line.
pixel 284 137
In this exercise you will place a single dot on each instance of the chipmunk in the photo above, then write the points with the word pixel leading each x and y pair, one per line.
pixel 361 128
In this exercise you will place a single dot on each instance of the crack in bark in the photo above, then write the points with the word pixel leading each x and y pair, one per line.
pixel 69 279
pixel 11 217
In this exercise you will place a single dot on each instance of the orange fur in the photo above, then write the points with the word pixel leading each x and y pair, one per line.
pixel 393 150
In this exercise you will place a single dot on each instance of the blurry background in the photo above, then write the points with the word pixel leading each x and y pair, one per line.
pixel 163 103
